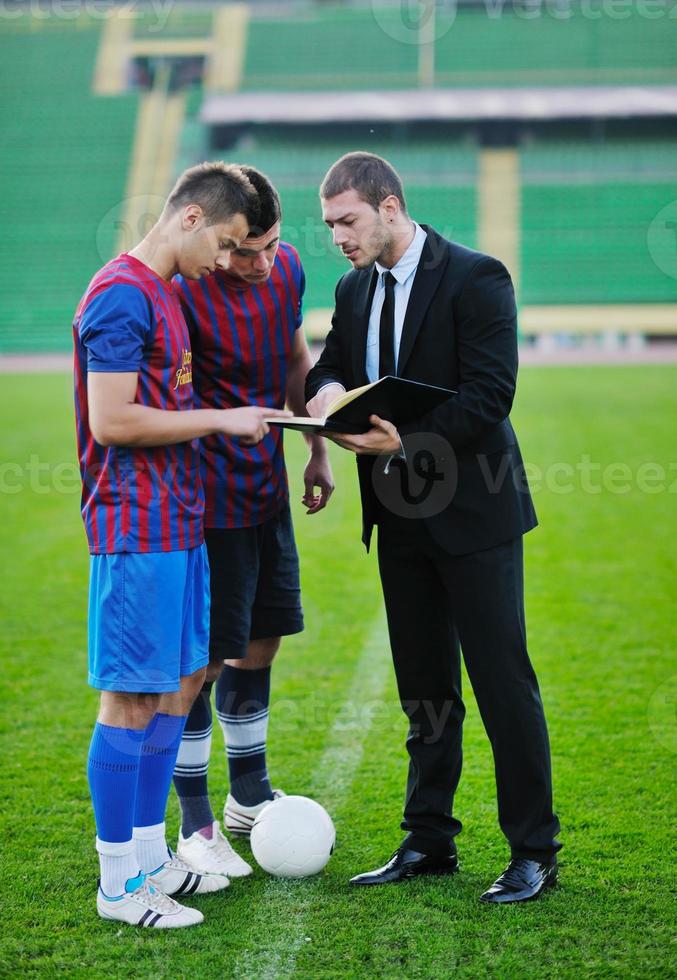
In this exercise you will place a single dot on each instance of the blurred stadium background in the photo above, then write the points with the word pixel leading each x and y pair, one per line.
pixel 542 132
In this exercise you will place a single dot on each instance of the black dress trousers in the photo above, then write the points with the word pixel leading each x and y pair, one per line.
pixel 437 603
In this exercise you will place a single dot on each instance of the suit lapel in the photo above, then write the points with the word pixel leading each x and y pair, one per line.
pixel 364 294
pixel 431 267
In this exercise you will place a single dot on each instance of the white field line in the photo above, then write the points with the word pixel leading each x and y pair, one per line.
pixel 330 784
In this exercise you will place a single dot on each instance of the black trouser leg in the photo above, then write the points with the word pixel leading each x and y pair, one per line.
pixel 485 591
pixel 427 666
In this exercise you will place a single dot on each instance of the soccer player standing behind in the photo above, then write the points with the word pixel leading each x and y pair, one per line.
pixel 245 325
pixel 142 505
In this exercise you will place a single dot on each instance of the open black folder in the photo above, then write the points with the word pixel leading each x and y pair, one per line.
pixel 396 400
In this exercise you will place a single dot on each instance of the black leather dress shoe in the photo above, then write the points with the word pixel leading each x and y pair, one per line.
pixel 521 881
pixel 406 863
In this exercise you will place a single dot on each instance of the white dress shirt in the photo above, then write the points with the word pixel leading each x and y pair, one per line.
pixel 404 272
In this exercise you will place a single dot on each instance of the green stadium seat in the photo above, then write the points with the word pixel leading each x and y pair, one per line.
pixel 65 158
pixel 586 211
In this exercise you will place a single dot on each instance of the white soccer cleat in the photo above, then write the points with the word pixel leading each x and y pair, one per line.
pixel 240 819
pixel 148 907
pixel 215 856
pixel 175 877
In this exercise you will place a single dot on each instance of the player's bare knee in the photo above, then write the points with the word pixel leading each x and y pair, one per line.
pixel 128 709
pixel 192 684
pixel 265 650
pixel 260 654
pixel 214 669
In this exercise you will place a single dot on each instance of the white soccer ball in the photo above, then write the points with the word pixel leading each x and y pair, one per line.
pixel 293 837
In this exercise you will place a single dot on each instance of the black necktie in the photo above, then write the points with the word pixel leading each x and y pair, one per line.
pixel 386 335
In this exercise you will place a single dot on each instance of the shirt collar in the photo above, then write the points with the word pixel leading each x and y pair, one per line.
pixel 409 261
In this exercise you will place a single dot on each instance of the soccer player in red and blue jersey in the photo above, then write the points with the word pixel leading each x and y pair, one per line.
pixel 143 509
pixel 245 325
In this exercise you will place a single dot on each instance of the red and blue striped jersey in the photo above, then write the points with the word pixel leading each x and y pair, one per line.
pixel 242 336
pixel 136 499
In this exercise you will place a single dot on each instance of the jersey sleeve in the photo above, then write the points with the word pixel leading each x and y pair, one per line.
pixel 115 327
pixel 302 289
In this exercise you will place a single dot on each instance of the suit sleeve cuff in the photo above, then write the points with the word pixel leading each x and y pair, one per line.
pixel 400 455
pixel 328 384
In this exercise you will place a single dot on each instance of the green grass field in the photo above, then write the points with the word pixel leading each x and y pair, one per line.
pixel 600 606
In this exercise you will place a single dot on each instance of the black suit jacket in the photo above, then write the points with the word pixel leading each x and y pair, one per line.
pixel 460 332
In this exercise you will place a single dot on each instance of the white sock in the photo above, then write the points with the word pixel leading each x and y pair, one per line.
pixel 151 847
pixel 118 863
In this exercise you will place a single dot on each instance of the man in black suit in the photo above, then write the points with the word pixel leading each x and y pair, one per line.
pixel 450 499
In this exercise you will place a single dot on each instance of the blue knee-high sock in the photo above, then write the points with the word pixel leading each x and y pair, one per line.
pixel 242 700
pixel 190 772
pixel 113 772
pixel 158 758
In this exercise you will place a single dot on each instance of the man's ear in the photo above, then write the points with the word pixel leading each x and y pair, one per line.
pixel 390 207
pixel 192 217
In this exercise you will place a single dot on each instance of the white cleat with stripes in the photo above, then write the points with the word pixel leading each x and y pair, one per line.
pixel 175 877
pixel 239 819
pixel 148 907
pixel 213 855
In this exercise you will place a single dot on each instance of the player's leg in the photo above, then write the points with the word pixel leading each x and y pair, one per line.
pixel 243 704
pixel 204 849
pixel 162 738
pixel 243 689
pixel 233 567
pixel 113 771
pixel 184 574
pixel 191 770
pixel 124 665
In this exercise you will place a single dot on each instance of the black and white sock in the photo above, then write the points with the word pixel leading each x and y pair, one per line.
pixel 242 702
pixel 190 772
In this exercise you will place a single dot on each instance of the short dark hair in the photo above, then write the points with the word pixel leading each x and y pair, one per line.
pixel 372 177
pixel 221 189
pixel 270 208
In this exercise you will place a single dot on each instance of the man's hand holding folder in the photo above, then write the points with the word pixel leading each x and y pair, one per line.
pixel 369 415
pixel 383 438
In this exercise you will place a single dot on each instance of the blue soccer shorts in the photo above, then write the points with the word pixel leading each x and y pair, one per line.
pixel 148 619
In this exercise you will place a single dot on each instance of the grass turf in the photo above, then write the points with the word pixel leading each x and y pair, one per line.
pixel 600 585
